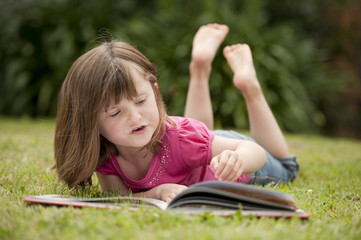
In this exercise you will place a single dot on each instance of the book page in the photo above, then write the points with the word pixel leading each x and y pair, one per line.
pixel 106 202
pixel 230 195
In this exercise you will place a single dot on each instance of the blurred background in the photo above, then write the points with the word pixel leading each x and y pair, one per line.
pixel 307 54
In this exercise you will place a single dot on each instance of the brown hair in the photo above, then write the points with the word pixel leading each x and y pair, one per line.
pixel 95 78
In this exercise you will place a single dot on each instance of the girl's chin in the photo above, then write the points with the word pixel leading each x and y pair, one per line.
pixel 140 142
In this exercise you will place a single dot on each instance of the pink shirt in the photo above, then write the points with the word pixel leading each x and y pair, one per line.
pixel 185 160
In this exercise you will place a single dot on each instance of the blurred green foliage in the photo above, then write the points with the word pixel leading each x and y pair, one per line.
pixel 39 40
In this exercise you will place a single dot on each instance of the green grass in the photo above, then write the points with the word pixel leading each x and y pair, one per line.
pixel 328 188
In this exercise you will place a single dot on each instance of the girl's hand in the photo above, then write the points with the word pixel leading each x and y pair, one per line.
pixel 232 157
pixel 229 165
pixel 166 192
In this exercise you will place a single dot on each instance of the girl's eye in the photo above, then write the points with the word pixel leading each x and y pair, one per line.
pixel 141 101
pixel 115 114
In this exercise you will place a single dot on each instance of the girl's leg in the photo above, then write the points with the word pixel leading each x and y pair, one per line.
pixel 205 45
pixel 263 125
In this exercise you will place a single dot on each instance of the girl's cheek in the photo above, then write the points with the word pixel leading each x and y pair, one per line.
pixel 107 127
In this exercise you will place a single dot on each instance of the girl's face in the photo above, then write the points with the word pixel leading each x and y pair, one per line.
pixel 131 123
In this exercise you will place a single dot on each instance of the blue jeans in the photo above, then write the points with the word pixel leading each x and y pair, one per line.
pixel 275 170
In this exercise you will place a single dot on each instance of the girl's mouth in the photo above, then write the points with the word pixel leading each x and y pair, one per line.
pixel 139 130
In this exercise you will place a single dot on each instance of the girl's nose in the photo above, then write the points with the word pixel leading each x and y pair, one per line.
pixel 134 115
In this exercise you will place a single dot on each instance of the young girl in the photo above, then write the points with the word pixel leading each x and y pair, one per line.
pixel 111 119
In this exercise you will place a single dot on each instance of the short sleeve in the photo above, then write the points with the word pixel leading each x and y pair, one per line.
pixel 107 168
pixel 195 142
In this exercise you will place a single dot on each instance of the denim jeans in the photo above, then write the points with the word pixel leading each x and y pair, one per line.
pixel 275 170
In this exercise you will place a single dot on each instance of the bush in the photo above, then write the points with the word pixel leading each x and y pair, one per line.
pixel 41 39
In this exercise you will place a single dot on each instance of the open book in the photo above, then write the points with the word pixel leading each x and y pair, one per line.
pixel 216 198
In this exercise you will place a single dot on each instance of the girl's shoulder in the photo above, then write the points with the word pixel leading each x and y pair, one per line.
pixel 182 123
pixel 188 128
pixel 190 140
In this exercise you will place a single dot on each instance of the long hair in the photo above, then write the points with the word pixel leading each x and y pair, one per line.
pixel 101 75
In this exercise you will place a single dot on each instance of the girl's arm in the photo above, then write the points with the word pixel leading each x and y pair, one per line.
pixel 112 183
pixel 232 157
pixel 164 192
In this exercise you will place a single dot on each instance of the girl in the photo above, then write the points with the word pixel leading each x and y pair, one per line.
pixel 111 119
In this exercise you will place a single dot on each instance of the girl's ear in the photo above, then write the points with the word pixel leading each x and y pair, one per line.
pixel 156 85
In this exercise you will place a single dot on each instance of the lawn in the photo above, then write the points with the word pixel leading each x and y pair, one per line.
pixel 328 188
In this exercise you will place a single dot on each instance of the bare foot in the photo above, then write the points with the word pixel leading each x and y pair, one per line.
pixel 239 58
pixel 206 43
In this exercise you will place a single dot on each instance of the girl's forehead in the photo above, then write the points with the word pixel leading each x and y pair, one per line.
pixel 126 89
pixel 139 80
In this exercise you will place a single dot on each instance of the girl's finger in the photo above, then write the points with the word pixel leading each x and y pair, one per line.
pixel 228 170
pixel 214 163
pixel 237 173
pixel 222 161
pixel 238 170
